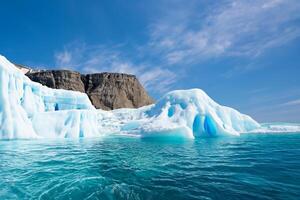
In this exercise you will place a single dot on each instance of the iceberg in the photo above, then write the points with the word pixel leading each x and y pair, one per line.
pixel 277 127
pixel 194 114
pixel 21 100
pixel 31 110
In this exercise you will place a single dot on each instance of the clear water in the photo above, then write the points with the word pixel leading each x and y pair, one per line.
pixel 256 166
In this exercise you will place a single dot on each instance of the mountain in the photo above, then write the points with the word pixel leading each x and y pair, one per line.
pixel 106 91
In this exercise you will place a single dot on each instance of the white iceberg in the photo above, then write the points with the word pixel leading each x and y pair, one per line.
pixel 277 127
pixel 30 110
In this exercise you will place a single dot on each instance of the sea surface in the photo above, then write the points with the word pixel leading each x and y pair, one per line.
pixel 252 166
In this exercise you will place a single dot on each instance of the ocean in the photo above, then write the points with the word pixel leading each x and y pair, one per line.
pixel 251 166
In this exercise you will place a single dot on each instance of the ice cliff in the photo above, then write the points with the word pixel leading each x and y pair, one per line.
pixel 30 110
pixel 21 100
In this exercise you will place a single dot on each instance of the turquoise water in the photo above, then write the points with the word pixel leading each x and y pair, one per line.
pixel 252 166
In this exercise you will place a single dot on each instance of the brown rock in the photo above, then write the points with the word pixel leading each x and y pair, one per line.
pixel 106 91
pixel 115 90
pixel 59 79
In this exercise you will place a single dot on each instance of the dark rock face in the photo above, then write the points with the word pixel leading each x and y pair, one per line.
pixel 115 90
pixel 59 79
pixel 106 91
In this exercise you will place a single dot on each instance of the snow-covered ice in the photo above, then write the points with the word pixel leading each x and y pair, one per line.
pixel 277 127
pixel 21 100
pixel 30 110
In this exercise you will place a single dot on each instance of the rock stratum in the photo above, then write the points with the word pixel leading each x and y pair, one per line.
pixel 106 91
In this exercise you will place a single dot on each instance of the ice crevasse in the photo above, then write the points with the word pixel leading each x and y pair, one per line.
pixel 31 110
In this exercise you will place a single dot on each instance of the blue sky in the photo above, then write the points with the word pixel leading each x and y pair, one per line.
pixel 244 54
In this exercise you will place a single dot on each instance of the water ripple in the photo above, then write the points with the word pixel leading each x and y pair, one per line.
pixel 246 167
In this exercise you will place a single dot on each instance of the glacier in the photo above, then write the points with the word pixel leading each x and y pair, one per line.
pixel 31 110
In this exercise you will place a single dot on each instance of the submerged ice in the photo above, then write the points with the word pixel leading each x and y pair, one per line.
pixel 30 110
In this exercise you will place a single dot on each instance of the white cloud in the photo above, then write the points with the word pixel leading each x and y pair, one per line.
pixel 229 28
pixel 71 55
pixel 99 58
pixel 189 34
pixel 158 79
pixel 295 102
pixel 63 58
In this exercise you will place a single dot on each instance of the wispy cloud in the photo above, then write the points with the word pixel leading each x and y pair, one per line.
pixel 266 104
pixel 99 58
pixel 190 34
pixel 63 58
pixel 295 102
pixel 242 69
pixel 229 28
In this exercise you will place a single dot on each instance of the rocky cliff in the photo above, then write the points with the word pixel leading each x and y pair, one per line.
pixel 106 90
pixel 59 79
